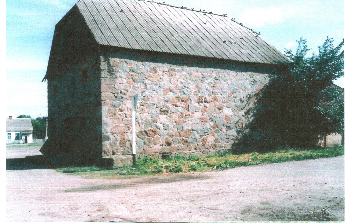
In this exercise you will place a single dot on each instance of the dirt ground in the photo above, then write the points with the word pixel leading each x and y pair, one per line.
pixel 310 190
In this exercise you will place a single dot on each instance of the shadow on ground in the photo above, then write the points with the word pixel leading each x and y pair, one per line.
pixel 23 164
pixel 274 213
pixel 146 180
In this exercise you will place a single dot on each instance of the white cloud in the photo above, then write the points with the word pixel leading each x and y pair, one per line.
pixel 259 17
pixel 291 45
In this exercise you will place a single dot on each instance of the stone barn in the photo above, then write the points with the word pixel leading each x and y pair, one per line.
pixel 195 73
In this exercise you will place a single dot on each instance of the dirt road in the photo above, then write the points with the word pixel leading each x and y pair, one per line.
pixel 310 190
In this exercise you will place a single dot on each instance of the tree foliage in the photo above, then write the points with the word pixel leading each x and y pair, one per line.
pixel 299 105
pixel 24 116
pixel 39 127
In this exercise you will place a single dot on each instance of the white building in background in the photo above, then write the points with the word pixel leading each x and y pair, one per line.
pixel 19 130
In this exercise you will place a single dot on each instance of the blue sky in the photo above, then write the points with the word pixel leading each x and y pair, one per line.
pixel 30 27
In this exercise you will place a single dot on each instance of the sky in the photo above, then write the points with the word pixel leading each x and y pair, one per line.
pixel 30 27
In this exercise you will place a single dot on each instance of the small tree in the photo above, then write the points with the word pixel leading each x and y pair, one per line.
pixel 290 110
pixel 39 127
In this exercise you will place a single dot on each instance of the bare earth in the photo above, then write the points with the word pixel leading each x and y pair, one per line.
pixel 310 190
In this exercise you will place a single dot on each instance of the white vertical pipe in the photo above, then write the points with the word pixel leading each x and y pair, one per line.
pixel 133 114
pixel 46 137
pixel 133 131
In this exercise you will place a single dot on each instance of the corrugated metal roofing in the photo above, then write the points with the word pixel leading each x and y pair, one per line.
pixel 19 125
pixel 152 26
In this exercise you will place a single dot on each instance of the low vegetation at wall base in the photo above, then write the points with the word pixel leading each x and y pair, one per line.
pixel 178 164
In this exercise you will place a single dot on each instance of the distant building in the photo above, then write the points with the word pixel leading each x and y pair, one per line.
pixel 19 130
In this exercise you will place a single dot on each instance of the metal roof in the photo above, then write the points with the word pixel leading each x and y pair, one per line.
pixel 158 27
pixel 19 125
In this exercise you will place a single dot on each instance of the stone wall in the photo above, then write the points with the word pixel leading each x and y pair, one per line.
pixel 184 107
pixel 74 91
pixel 74 109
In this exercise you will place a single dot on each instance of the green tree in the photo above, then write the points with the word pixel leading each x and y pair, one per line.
pixel 315 75
pixel 290 110
pixel 331 106
pixel 39 127
pixel 23 116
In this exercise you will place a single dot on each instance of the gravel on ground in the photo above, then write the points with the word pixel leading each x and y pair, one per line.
pixel 311 190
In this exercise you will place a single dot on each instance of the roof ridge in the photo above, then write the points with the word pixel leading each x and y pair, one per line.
pixel 151 26
pixel 201 11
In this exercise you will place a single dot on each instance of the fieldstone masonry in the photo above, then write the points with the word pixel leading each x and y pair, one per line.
pixel 181 109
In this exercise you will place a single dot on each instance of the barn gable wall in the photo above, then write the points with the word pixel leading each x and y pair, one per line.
pixel 72 44
pixel 74 105
pixel 186 105
pixel 75 111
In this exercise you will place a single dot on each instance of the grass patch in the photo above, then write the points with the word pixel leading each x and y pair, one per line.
pixel 79 169
pixel 179 164
pixel 25 144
